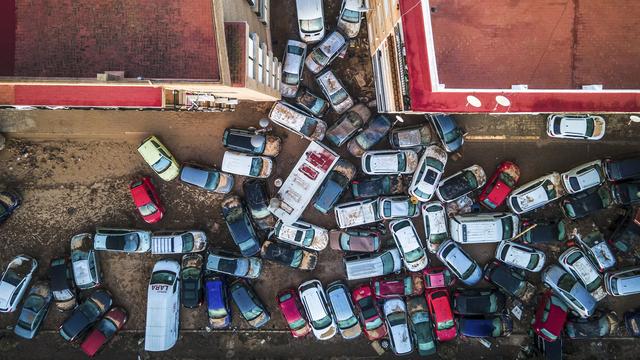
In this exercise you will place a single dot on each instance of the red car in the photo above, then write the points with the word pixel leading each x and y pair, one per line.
pixel 499 186
pixel 551 315
pixel 437 277
pixel 370 315
pixel 146 199
pixel 406 285
pixel 104 330
pixel 293 313
pixel 441 313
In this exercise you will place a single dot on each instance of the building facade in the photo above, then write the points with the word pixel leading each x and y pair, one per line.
pixel 202 54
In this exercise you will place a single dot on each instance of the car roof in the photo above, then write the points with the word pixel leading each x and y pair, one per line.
pixel 573 125
pixel 194 175
pixel 309 9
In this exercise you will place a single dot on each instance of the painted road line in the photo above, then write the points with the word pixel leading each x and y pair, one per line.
pixel 480 138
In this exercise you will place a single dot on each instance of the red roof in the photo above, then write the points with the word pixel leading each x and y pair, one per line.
pixel 81 96
pixel 456 68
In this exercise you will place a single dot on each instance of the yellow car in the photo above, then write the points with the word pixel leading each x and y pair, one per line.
pixel 159 158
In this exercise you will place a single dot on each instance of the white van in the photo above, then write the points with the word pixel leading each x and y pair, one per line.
pixel 371 265
pixel 163 306
pixel 483 228
pixel 357 213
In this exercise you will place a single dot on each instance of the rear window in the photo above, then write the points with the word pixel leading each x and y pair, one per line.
pixel 387 263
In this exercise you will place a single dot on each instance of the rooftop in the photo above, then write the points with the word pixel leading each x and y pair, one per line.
pixel 58 38
pixel 545 44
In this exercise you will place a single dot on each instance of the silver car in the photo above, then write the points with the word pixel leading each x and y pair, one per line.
pixel 623 282
pixel 292 67
pixel 520 256
pixel 327 51
pixel 15 281
pixel 122 240
pixel 335 92
pixel 434 218
pixel 223 262
pixel 428 174
pixel 569 290
pixel 302 234
pixel 178 242
pixel 350 17
pixel 577 264
pixel 460 263
pixel 343 310
pixel 34 310
pixel 395 314
pixel 84 262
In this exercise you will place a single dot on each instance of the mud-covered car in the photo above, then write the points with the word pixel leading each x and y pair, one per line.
pixel 586 203
pixel 461 183
pixel 9 202
pixel 626 236
pixel 356 213
pixel 441 314
pixel 377 186
pixel 334 186
pixel 239 225
pixel 178 242
pixel 249 305
pixel 550 316
pixel 289 255
pixel 544 231
pixel 334 91
pixel 326 52
pixel 84 262
pixel 389 162
pixel 247 165
pixel 122 240
pixel 355 240
pixel 292 67
pixel 421 326
pixel 376 129
pixel 302 234
pixel 343 310
pixel 632 322
pixel 251 142
pixel 509 280
pixel 569 290
pixel 536 194
pixel 409 243
pixel 520 256
pixel 428 174
pixel 395 313
pixel 312 103
pixel 574 261
pixel 597 250
pixel 623 282
pixel 86 314
pixel 436 229
pixel 34 310
pixel 314 300
pixel 350 18
pixel 478 302
pixel 627 193
pixel 599 325
pixel 257 197
pixel 487 327
pixel 230 264
pixel 417 136
pixel 348 124
pixel 206 178
pixel 395 207
pixel 583 177
pixel 410 284
pixel 581 127
pixel 448 131
pixel 191 278
pixel 370 315
pixel 498 187
pixel 15 281
pixel 62 287
pixel 297 121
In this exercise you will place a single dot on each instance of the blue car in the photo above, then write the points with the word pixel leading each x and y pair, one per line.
pixel 334 186
pixel 239 225
pixel 491 327
pixel 448 132
pixel 34 310
pixel 218 308
pixel 9 202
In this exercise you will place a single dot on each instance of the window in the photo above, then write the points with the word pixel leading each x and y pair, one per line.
pixel 251 60
pixel 260 64
pixel 268 65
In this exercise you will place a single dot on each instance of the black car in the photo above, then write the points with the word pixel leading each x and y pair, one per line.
pixel 544 232
pixel 312 103
pixel 620 170
pixel 509 280
pixel 289 255
pixel 9 202
pixel 586 203
pixel 191 278
pixel 478 302
pixel 548 350
pixel 377 186
pixel 257 196
pixel 627 193
pixel 86 314
pixel 461 183
pixel 249 304
pixel 62 287
pixel 627 232
pixel 333 186
pixel 239 225
pixel 250 142
pixel 632 322
pixel 598 325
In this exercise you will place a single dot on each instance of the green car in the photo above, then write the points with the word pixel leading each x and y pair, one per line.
pixel 420 324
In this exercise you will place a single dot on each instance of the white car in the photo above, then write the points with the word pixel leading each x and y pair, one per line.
pixel 409 243
pixel 434 218
pixel 310 20
pixel 395 207
pixel 575 262
pixel 334 91
pixel 583 127
pixel 623 282
pixel 357 213
pixel 430 169
pixel 316 306
pixel 536 194
pixel 178 242
pixel 520 256
pixel 328 50
pixel 350 17
pixel 292 67
pixel 302 234
pixel 395 315
pixel 246 165
pixel 483 228
pixel 122 240
pixel 460 263
pixel 461 183
pixel 15 281
pixel 389 162
pixel 583 177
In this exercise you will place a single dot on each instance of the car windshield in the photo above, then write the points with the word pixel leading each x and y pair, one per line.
pixel 533 261
pixel 507 227
pixel 387 263
pixel 550 189
pixel 163 277
pixel 590 126
pixel 212 180
pixel 62 295
pixel 297 324
pixel 347 323
pixel 291 79
pixel 339 96
pixel 445 325
pixel 396 319
pixel 507 179
pixel 89 310
pixel 107 327
pixel 469 271
pixel 128 242
pixel 191 273
pixel 33 303
pixel 161 165
pixel 256 166
pixel 313 25
pixel 566 282
pixel 368 309
pixel 459 185
pixel 12 278
pixel 351 16
pixel 148 209
pixel 187 242
pixel 296 50
pixel 373 134
pixel 414 255
pixel 434 163
pixel 451 135
pixel 321 323
pixel 319 57
pixel 227 265
pixel 308 237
